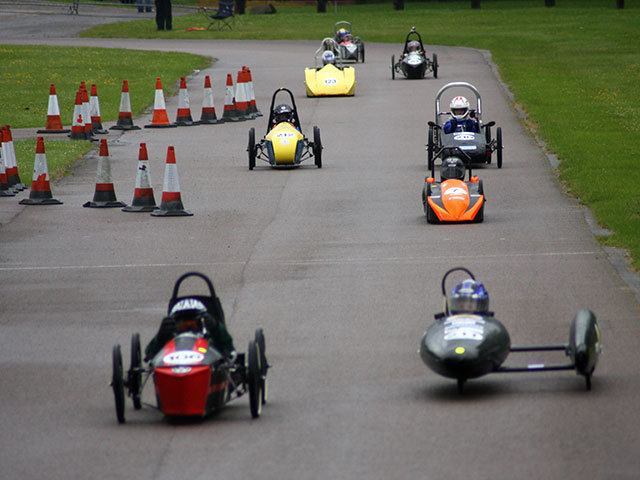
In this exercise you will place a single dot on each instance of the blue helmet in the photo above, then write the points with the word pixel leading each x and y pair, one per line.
pixel 469 296
pixel 328 57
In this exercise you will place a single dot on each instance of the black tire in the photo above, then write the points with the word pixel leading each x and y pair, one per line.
pixel 362 52
pixel 499 146
pixel 134 378
pixel 117 383
pixel 393 67
pixel 317 146
pixel 435 65
pixel 254 379
pixel 251 148
pixel 264 364
pixel 430 148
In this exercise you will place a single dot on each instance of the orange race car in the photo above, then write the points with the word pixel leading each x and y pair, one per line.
pixel 453 199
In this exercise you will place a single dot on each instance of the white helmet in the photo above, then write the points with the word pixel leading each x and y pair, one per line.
pixel 459 108
pixel 328 57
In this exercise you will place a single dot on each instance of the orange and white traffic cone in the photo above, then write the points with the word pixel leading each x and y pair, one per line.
pixel 183 118
pixel 242 102
pixel 171 203
pixel 160 118
pixel 5 188
pixel 40 188
pixel 105 195
pixel 125 119
pixel 253 107
pixel 54 123
pixel 86 113
pixel 96 118
pixel 208 115
pixel 10 160
pixel 229 114
pixel 77 127
pixel 143 199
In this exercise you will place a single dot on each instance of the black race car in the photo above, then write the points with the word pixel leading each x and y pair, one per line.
pixel 413 61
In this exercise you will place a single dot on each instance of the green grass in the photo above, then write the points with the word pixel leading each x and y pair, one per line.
pixel 573 68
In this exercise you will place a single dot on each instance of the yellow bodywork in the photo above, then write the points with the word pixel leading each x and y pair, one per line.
pixel 284 139
pixel 330 80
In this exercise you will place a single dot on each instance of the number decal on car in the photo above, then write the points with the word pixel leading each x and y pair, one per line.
pixel 463 136
pixel 183 357
pixel 330 82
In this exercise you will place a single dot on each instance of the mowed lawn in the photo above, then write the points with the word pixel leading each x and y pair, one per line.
pixel 573 68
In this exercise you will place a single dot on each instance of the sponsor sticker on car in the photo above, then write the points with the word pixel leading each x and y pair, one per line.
pixel 463 136
pixel 183 357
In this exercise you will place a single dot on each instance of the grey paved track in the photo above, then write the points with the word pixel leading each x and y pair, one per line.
pixel 341 270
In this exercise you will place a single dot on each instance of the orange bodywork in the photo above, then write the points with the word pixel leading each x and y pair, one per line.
pixel 456 202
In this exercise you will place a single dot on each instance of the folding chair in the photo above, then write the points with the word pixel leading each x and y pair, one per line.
pixel 222 17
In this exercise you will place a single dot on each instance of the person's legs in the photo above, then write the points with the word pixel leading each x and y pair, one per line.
pixel 167 16
pixel 160 14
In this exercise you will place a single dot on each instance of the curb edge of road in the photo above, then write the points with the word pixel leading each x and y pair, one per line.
pixel 618 257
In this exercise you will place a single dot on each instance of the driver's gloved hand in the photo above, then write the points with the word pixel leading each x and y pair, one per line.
pixel 167 329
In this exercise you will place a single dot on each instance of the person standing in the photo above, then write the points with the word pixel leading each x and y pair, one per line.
pixel 163 14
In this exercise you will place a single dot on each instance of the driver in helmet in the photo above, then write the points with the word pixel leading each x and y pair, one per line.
pixel 469 296
pixel 191 315
pixel 284 113
pixel 341 35
pixel 413 46
pixel 452 168
pixel 461 119
pixel 328 57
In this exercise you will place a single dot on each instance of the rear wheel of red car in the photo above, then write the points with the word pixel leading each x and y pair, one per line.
pixel 254 379
pixel 264 365
pixel 117 383
pixel 134 378
pixel 435 65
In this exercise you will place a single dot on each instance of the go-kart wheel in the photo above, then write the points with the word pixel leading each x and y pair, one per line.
pixel 117 383
pixel 393 67
pixel 430 148
pixel 262 347
pixel 134 377
pixel 362 52
pixel 317 146
pixel 251 148
pixel 499 146
pixel 253 379
pixel 435 65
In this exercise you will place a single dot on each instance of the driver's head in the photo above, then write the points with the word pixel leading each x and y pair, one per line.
pixel 188 314
pixel 459 108
pixel 452 168
pixel 413 46
pixel 342 32
pixel 328 57
pixel 283 113
pixel 469 296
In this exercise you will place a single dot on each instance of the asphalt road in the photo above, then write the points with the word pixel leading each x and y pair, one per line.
pixel 340 268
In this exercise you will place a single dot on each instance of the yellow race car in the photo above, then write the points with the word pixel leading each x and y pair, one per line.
pixel 329 77
pixel 284 145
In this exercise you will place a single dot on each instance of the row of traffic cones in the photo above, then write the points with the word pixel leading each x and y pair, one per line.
pixel 10 183
pixel 240 104
pixel 104 195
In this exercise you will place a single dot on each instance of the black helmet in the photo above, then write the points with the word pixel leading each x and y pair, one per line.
pixel 469 296
pixel 283 113
pixel 188 314
pixel 452 168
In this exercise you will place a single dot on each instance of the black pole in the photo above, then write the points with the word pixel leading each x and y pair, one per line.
pixel 322 6
pixel 398 4
pixel 475 3
pixel 549 3
pixel 620 4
